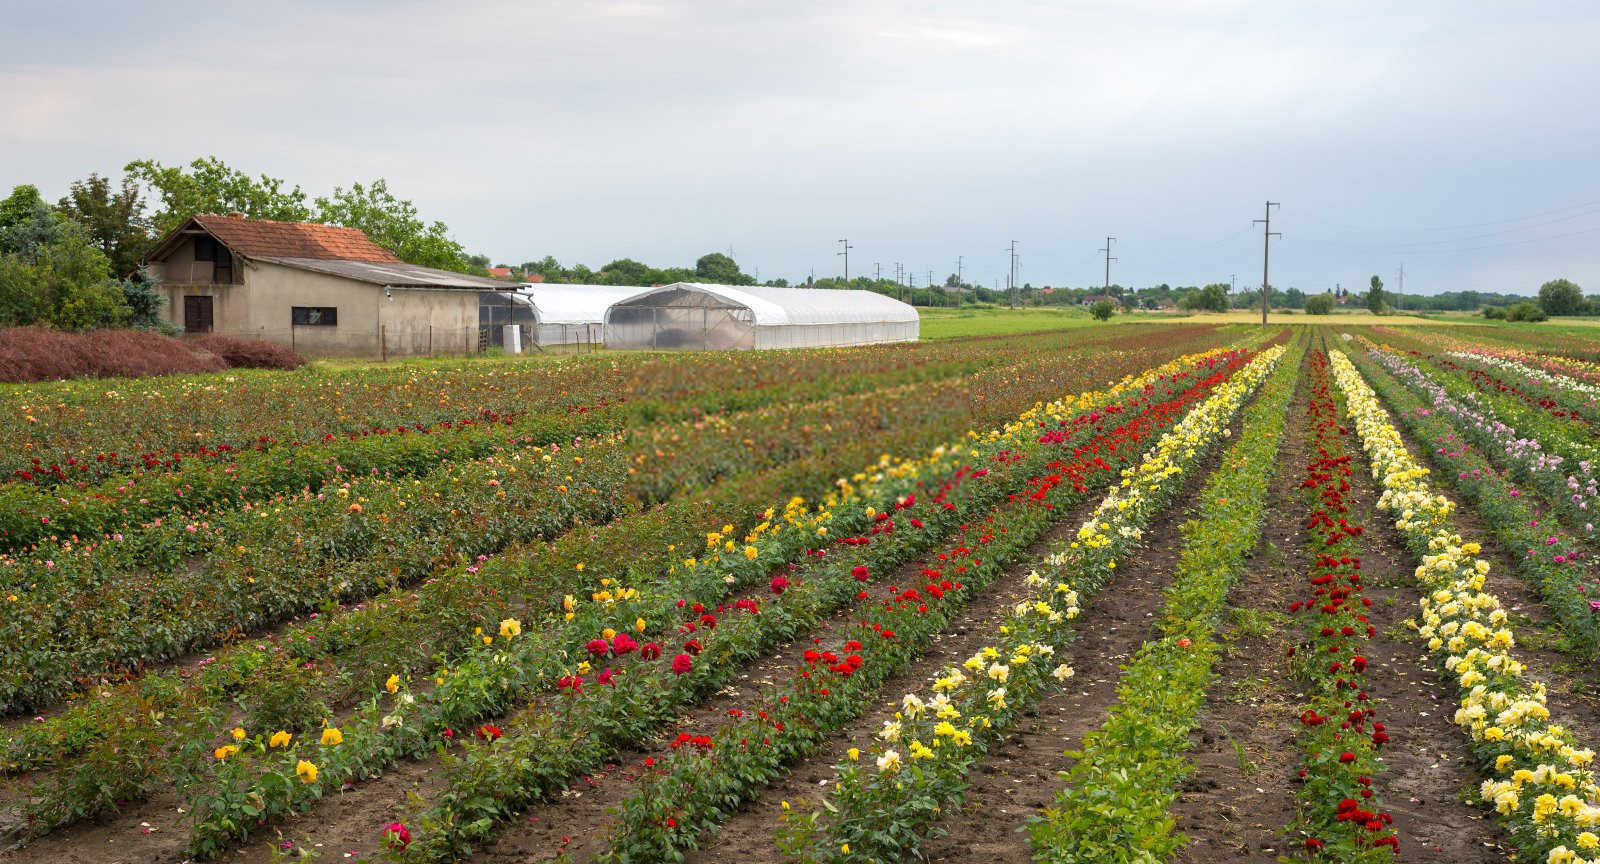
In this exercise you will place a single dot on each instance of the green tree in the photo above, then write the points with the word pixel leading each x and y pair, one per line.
pixel 1103 310
pixel 114 218
pixel 1319 304
pixel 1214 297
pixel 626 271
pixel 209 186
pixel 1294 298
pixel 51 271
pixel 1562 297
pixel 20 206
pixel 1375 303
pixel 719 269
pixel 393 224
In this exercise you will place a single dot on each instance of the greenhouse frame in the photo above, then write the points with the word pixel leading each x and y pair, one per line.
pixel 552 315
pixel 698 316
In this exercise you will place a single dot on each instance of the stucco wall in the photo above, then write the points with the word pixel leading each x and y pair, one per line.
pixel 402 319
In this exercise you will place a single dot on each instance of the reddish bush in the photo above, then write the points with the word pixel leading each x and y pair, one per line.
pixel 246 353
pixel 40 354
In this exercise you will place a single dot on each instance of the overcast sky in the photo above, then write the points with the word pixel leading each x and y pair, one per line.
pixel 1456 138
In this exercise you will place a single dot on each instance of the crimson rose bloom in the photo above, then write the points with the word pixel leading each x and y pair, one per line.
pixel 681 664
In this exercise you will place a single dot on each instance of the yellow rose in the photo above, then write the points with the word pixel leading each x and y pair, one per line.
pixel 238 733
pixel 306 771
pixel 279 738
pixel 332 737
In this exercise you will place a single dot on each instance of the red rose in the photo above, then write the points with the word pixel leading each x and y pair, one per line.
pixel 623 644
pixel 1347 757
pixel 598 647
pixel 396 834
pixel 860 572
pixel 650 651
pixel 779 583
pixel 681 664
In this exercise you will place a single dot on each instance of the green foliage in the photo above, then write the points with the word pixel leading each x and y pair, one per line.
pixel 718 268
pixel 1375 302
pixel 1526 311
pixel 208 185
pixel 1103 310
pixel 1294 298
pixel 1320 304
pixel 1212 298
pixel 1562 297
pixel 114 218
pixel 51 272
pixel 19 207
pixel 1494 313
pixel 393 224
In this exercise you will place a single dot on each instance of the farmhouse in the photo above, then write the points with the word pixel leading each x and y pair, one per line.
pixel 319 289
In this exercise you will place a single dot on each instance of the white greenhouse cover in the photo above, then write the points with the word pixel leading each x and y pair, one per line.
pixel 559 303
pixel 775 307
pixel 698 316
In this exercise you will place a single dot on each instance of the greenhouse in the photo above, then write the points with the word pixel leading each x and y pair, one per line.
pixel 573 314
pixel 695 316
pixel 549 315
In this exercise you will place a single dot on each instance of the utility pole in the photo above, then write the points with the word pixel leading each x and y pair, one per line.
pixel 1266 247
pixel 1109 259
pixel 877 272
pixel 1402 287
pixel 846 254
pixel 1011 277
pixel 1233 282
pixel 959 282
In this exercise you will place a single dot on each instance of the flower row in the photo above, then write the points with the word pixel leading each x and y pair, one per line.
pixel 1340 737
pixel 1118 793
pixel 1541 782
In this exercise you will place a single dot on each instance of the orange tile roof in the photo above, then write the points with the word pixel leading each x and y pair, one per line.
pixel 263 238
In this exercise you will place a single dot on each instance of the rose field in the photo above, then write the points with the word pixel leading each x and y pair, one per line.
pixel 1142 592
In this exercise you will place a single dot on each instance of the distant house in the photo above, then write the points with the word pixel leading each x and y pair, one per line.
pixel 1096 298
pixel 500 272
pixel 320 289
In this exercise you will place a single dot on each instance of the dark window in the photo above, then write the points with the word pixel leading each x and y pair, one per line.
pixel 316 316
pixel 205 248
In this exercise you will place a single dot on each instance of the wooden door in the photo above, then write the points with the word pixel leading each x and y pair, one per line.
pixel 197 314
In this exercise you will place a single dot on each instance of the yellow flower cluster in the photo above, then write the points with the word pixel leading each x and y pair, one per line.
pixel 1542 780
pixel 1123 510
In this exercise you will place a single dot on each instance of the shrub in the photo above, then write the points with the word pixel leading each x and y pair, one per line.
pixel 1525 312
pixel 42 354
pixel 1320 304
pixel 1494 312
pixel 246 353
pixel 1103 310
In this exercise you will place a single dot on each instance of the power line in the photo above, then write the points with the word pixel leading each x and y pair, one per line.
pixel 846 254
pixel 1392 230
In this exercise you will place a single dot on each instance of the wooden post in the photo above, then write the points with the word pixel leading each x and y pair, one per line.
pixel 430 340
pixel 383 342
